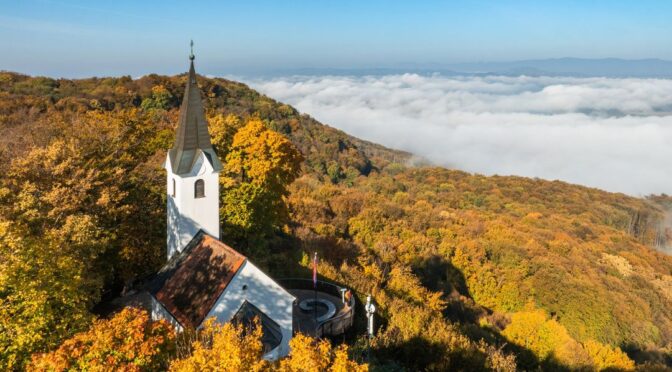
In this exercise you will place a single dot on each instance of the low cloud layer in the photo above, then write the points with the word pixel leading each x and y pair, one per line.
pixel 614 134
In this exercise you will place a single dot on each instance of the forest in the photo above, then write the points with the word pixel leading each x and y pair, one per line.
pixel 469 272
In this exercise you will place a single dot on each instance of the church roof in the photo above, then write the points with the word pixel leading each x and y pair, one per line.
pixel 192 136
pixel 190 283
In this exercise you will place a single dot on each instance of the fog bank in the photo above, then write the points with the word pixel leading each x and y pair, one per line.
pixel 614 134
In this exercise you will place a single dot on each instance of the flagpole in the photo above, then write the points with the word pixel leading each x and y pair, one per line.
pixel 315 291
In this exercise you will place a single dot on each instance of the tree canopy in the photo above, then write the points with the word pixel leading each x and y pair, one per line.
pixel 260 165
pixel 469 272
pixel 231 347
pixel 129 341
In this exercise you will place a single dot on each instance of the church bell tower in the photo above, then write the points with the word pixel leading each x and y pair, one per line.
pixel 192 173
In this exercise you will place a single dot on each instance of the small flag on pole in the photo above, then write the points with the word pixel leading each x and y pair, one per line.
pixel 315 270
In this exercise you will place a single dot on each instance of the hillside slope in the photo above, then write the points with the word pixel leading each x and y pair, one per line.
pixel 457 262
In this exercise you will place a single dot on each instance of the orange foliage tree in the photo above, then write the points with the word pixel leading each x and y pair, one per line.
pixel 129 341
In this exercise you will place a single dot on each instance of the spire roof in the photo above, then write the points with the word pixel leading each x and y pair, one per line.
pixel 192 136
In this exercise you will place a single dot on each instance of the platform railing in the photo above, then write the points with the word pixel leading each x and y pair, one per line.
pixel 335 325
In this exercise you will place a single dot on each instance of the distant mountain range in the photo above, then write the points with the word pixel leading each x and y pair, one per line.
pixel 579 67
pixel 607 67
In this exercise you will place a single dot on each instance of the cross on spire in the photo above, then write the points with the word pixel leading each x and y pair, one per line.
pixel 191 55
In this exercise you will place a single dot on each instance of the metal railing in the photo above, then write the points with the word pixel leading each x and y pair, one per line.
pixel 336 325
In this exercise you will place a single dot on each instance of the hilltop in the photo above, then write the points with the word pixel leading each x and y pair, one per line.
pixel 470 272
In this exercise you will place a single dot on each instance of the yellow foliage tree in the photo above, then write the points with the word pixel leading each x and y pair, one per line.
pixel 550 341
pixel 259 166
pixel 606 357
pixel 233 348
pixel 310 355
pixel 263 157
pixel 226 347
pixel 222 129
pixel 43 299
pixel 534 331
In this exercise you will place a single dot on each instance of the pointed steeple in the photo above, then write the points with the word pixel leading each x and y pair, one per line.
pixel 192 136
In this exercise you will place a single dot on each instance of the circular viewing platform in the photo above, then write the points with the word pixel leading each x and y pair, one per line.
pixel 324 310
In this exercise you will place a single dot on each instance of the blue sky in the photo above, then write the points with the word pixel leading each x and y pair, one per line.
pixel 84 38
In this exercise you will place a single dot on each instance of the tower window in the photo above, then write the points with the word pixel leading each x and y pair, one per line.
pixel 199 189
pixel 174 189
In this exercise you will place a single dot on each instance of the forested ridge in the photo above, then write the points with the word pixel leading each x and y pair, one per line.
pixel 469 272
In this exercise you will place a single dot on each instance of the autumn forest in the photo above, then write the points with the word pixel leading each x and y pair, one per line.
pixel 469 272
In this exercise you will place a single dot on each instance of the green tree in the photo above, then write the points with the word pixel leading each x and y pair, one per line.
pixel 161 99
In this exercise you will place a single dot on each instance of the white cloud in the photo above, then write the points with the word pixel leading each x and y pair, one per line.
pixel 615 134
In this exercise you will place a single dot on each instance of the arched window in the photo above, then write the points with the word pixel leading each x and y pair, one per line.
pixel 199 189
pixel 174 189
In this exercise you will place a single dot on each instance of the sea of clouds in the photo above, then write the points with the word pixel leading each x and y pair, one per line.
pixel 614 134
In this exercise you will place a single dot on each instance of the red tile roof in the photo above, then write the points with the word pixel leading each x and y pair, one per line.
pixel 189 285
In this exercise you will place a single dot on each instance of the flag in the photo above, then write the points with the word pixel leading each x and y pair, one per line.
pixel 315 271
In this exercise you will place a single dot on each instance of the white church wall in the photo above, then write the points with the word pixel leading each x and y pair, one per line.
pixel 186 213
pixel 159 312
pixel 262 292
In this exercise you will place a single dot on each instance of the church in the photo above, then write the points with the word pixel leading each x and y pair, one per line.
pixel 203 276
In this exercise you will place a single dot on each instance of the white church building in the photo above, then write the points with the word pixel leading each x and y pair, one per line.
pixel 204 277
